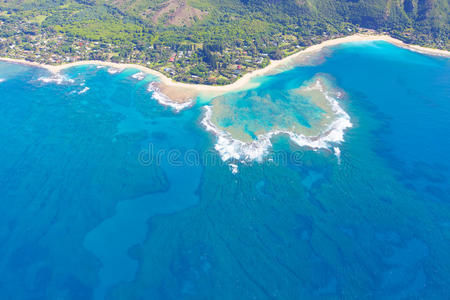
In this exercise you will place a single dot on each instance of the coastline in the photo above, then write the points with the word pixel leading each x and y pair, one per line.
pixel 244 80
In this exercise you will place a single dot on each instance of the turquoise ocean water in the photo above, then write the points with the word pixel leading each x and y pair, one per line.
pixel 107 194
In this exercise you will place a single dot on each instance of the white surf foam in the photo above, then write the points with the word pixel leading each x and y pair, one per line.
pixel 166 101
pixel 233 168
pixel 230 148
pixel 112 70
pixel 2 80
pixel 139 76
pixel 337 152
pixel 56 78
pixel 83 90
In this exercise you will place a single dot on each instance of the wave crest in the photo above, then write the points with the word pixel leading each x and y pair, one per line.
pixel 112 70
pixel 83 90
pixel 138 76
pixel 230 148
pixel 56 78
pixel 166 101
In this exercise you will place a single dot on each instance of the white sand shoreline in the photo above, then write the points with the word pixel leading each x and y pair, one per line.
pixel 244 80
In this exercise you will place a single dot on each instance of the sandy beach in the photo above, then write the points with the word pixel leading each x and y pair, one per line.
pixel 174 90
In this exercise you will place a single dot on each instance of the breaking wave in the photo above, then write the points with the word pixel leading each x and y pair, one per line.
pixel 112 70
pixel 230 148
pixel 83 91
pixel 56 78
pixel 166 101
pixel 139 76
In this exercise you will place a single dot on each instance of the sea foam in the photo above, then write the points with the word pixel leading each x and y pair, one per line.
pixel 166 101
pixel 234 168
pixel 83 91
pixel 56 78
pixel 234 149
pixel 112 70
pixel 139 76
pixel 230 148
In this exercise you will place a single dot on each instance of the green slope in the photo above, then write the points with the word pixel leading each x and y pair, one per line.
pixel 224 38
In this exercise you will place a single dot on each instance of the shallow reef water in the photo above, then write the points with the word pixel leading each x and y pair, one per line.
pixel 108 194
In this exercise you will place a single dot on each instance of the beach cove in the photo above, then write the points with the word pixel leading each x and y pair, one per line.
pixel 183 92
pixel 243 136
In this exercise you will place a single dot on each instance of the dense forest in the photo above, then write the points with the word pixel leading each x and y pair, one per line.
pixel 208 41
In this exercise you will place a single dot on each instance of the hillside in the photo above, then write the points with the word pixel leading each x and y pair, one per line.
pixel 205 41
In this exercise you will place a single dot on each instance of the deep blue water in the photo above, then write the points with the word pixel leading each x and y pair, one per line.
pixel 108 194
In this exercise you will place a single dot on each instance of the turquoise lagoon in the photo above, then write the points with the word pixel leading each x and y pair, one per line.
pixel 328 180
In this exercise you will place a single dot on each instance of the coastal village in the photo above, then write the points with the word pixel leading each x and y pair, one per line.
pixel 199 42
pixel 212 63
